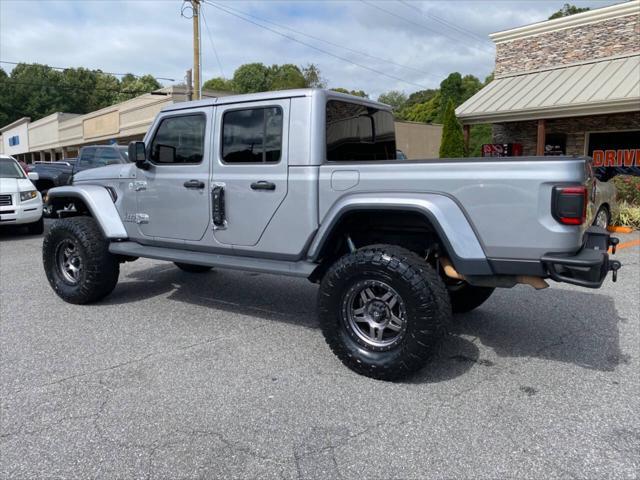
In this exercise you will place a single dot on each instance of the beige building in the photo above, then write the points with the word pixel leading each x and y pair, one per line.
pixel 61 135
pixel 565 86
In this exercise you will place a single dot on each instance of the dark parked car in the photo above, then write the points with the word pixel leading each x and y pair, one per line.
pixel 51 174
pixel 55 174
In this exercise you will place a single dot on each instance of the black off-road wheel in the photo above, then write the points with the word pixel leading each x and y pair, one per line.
pixel 465 297
pixel 77 261
pixel 188 267
pixel 36 228
pixel 383 311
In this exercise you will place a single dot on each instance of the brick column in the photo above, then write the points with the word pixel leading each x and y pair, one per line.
pixel 541 137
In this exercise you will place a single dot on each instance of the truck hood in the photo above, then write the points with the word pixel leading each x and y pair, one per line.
pixel 15 185
pixel 109 172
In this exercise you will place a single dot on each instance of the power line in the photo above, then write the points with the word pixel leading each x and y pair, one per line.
pixel 444 22
pixel 211 41
pixel 331 43
pixel 90 70
pixel 421 25
pixel 293 39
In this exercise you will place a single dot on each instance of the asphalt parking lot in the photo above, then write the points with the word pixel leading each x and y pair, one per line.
pixel 226 375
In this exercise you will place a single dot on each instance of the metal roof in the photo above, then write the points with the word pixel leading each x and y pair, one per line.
pixel 589 88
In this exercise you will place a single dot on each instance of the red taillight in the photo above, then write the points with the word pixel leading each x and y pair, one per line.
pixel 569 205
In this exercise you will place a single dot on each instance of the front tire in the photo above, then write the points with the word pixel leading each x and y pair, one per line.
pixel 383 311
pixel 77 261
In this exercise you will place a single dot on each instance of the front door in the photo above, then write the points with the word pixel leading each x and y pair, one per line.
pixel 173 194
pixel 250 163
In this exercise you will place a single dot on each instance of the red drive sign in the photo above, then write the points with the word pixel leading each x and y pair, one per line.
pixel 615 153
pixel 625 157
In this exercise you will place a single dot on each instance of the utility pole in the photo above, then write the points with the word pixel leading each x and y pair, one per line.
pixel 196 48
pixel 189 82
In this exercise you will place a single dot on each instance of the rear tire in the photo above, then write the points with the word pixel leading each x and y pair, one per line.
pixel 465 298
pixel 187 267
pixel 36 228
pixel 77 261
pixel 383 311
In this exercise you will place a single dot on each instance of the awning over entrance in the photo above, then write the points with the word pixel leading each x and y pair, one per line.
pixel 589 88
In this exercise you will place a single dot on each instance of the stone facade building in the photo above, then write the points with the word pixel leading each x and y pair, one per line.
pixel 565 86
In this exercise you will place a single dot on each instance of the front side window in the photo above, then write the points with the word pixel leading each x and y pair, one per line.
pixel 358 132
pixel 10 169
pixel 179 140
pixel 252 135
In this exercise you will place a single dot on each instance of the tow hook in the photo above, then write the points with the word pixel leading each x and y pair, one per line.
pixel 614 266
pixel 613 244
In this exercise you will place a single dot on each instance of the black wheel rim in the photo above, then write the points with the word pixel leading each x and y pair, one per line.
pixel 375 313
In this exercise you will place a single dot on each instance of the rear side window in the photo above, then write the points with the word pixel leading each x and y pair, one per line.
pixel 252 135
pixel 358 132
pixel 185 134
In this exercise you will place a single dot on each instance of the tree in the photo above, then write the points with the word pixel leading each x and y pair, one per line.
pixel 36 91
pixel 568 10
pixel 452 145
pixel 426 112
pixel 283 77
pixel 218 84
pixel 394 98
pixel 357 93
pixel 250 78
pixel 312 76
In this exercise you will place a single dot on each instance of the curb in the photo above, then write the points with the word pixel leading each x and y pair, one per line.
pixel 620 229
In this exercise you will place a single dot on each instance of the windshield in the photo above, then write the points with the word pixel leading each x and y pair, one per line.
pixel 10 169
pixel 124 151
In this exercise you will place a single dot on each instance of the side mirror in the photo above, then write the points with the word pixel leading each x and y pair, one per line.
pixel 33 176
pixel 138 155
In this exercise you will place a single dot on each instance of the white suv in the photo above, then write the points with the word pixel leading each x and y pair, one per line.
pixel 20 202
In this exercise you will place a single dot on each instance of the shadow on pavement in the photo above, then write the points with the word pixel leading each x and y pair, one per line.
pixel 569 326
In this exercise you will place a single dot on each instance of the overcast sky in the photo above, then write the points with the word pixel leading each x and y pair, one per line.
pixel 405 45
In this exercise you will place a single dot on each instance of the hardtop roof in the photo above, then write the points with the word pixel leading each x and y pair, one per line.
pixel 276 95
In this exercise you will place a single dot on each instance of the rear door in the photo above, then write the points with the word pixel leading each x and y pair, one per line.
pixel 173 194
pixel 250 163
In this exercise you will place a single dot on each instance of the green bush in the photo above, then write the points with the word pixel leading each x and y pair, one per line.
pixel 452 145
pixel 625 215
pixel 628 188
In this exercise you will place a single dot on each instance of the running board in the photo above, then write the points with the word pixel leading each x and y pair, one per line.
pixel 262 265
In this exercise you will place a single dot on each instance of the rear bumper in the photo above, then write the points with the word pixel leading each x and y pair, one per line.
pixel 589 266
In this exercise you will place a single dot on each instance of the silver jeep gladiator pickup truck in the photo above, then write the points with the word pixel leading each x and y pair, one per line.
pixel 306 183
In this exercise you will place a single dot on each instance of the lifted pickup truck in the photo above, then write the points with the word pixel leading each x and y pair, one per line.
pixel 306 183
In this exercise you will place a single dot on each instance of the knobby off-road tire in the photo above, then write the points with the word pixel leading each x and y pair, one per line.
pixel 187 267
pixel 465 298
pixel 77 261
pixel 404 291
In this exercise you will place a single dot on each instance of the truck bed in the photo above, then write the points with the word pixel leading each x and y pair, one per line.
pixel 506 200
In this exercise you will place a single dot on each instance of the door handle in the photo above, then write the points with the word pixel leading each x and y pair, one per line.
pixel 263 185
pixel 194 184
